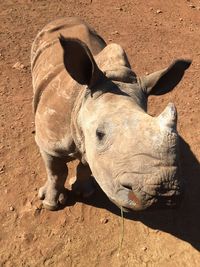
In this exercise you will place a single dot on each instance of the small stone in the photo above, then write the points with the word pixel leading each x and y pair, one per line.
pixel 119 8
pixel 144 248
pixel 104 220
pixel 18 66
pixel 192 6
pixel 158 11
pixel 2 169
pixel 181 19
pixel 11 208
pixel 115 32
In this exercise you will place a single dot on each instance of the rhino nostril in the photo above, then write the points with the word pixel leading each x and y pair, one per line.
pixel 127 187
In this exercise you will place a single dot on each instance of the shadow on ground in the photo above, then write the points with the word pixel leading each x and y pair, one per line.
pixel 184 222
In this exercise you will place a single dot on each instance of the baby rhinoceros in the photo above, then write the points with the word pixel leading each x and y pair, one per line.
pixel 90 105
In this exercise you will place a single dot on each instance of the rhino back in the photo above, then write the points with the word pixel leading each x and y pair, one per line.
pixel 54 90
pixel 47 54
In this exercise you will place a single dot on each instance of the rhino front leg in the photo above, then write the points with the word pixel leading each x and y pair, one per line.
pixel 83 184
pixel 53 192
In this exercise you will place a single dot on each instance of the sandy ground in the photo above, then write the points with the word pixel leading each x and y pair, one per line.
pixel 153 33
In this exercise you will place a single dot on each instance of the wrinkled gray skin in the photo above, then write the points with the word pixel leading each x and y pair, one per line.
pixel 89 105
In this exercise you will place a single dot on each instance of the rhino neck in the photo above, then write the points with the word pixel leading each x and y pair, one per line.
pixel 76 130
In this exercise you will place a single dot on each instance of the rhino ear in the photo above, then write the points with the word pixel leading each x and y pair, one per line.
pixel 79 62
pixel 163 81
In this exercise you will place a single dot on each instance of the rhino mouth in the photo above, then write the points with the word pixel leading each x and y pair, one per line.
pixel 162 203
pixel 125 198
pixel 137 199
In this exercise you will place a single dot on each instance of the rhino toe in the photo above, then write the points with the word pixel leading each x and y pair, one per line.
pixel 52 198
pixel 50 206
pixel 41 193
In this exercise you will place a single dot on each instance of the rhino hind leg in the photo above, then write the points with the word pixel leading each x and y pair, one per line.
pixel 53 193
pixel 83 184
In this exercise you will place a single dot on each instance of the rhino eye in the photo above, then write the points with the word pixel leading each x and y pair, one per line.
pixel 100 135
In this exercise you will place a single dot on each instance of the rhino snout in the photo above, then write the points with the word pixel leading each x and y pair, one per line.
pixel 126 198
pixel 141 197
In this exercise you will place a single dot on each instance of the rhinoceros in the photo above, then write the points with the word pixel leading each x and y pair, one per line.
pixel 90 105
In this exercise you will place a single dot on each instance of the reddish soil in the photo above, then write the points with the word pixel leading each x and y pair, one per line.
pixel 89 234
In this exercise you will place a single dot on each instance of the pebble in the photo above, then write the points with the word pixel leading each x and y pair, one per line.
pixel 11 208
pixel 115 32
pixel 119 8
pixel 144 248
pixel 2 169
pixel 181 19
pixel 192 6
pixel 18 66
pixel 158 11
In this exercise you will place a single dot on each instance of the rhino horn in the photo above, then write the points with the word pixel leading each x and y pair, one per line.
pixel 168 118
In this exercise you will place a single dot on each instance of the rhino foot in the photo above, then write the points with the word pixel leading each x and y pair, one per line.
pixel 52 198
pixel 82 188
pixel 82 184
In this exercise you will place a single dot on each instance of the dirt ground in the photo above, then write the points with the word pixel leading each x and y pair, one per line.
pixel 88 233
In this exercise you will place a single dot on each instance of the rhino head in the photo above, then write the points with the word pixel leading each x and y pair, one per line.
pixel 133 156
